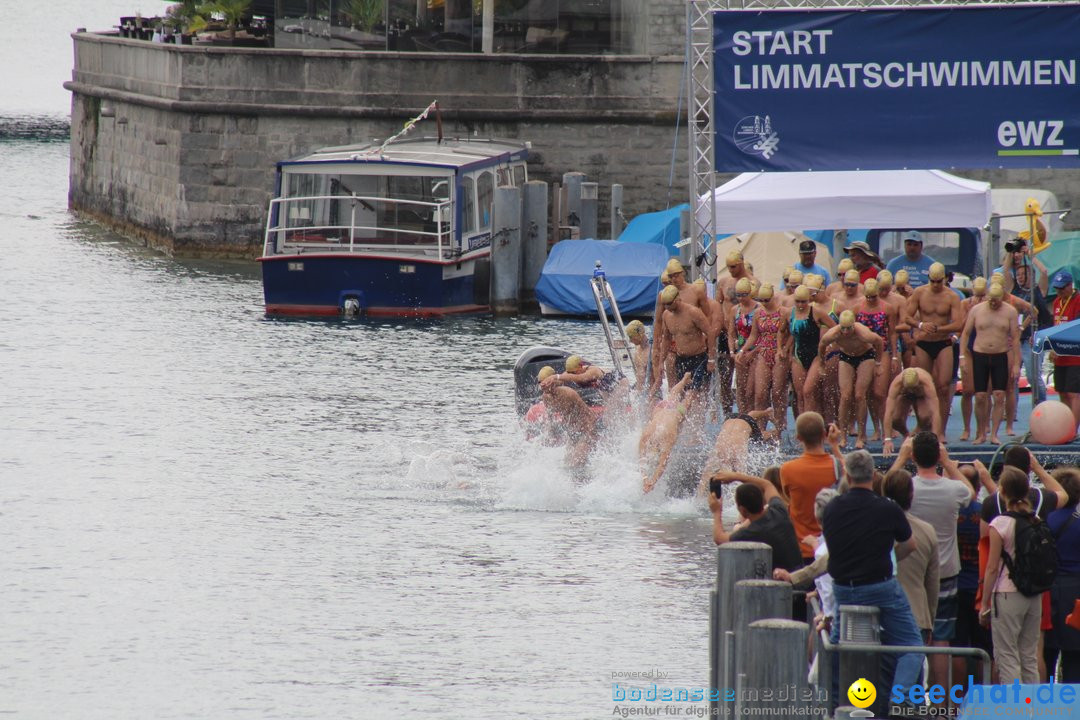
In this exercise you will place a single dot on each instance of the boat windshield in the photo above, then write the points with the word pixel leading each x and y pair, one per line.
pixel 366 209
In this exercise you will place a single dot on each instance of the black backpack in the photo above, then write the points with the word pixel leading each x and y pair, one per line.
pixel 1035 564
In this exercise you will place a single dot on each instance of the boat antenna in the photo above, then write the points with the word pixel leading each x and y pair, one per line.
pixel 410 125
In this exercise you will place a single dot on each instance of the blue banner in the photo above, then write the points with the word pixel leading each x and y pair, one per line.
pixel 971 87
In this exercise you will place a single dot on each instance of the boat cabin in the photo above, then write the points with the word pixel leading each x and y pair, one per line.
pixel 416 197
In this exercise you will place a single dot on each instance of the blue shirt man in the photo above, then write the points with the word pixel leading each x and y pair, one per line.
pixel 807 264
pixel 913 260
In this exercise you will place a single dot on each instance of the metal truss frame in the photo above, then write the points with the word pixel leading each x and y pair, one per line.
pixel 699 92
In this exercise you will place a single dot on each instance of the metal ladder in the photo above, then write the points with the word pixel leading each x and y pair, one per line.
pixel 618 344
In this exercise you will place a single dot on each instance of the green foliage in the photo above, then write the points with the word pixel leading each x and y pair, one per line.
pixel 365 14
pixel 232 10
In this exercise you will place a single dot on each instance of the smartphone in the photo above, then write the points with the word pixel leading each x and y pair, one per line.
pixel 716 487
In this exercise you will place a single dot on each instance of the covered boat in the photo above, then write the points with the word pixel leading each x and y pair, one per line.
pixel 401 228
pixel 632 268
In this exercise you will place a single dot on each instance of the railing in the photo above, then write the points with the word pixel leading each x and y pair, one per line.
pixel 825 648
pixel 415 224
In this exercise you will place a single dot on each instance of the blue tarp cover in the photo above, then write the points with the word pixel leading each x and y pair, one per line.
pixel 633 271
pixel 656 227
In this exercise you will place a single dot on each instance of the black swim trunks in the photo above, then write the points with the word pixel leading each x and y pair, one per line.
pixel 856 360
pixel 697 366
pixel 992 367
pixel 722 343
pixel 934 347
pixel 755 430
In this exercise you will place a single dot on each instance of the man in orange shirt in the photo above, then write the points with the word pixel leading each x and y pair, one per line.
pixel 1066 368
pixel 814 470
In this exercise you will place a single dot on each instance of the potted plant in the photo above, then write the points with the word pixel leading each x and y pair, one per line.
pixel 233 11
pixel 364 14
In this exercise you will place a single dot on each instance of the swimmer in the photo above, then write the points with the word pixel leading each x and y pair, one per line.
pixel 660 433
pixel 913 389
pixel 739 435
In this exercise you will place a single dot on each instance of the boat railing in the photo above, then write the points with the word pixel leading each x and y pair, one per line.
pixel 372 223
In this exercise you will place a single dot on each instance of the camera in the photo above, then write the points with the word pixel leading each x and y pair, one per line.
pixel 1015 245
pixel 716 487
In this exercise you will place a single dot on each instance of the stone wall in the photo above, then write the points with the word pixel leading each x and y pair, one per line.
pixel 177 144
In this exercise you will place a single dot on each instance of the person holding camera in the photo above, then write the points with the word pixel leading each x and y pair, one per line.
pixel 765 517
pixel 1020 269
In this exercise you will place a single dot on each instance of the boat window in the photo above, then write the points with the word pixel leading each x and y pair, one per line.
pixel 468 209
pixel 485 194
pixel 943 245
pixel 301 213
pixel 519 176
pixel 505 180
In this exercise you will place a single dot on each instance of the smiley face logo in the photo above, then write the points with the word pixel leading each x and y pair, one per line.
pixel 862 693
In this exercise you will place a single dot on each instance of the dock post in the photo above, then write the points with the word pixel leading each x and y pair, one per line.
pixel 617 222
pixel 534 246
pixel 777 663
pixel 506 250
pixel 735 561
pixel 572 182
pixel 859 625
pixel 756 600
pixel 590 199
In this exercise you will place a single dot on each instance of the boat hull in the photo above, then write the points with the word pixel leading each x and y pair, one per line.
pixel 320 284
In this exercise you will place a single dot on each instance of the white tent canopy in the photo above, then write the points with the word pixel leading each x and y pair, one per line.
pixel 898 199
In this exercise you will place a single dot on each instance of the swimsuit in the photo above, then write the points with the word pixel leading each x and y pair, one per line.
pixel 990 366
pixel 934 347
pixel 807 335
pixel 755 430
pixel 722 343
pixel 670 404
pixel 744 323
pixel 855 360
pixel 768 329
pixel 876 321
pixel 697 366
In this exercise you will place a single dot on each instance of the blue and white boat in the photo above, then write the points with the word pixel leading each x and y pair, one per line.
pixel 401 228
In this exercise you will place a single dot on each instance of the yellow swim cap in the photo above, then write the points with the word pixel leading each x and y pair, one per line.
pixel 765 292
pixel 795 278
pixel 668 294
pixel 674 266
pixel 787 273
pixel 814 281
pixel 870 289
pixel 635 328
pixel 845 265
pixel 937 271
pixel 545 372
pixel 851 276
pixel 901 277
pixel 573 363
pixel 664 279
pixel 996 292
pixel 911 378
pixel 978 286
pixel 743 286
pixel 700 282
pixel 884 279
pixel 847 319
pixel 997 278
pixel 802 293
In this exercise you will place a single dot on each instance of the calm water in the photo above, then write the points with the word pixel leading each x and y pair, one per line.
pixel 208 514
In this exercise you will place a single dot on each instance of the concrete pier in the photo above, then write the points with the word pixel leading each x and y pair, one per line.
pixel 177 144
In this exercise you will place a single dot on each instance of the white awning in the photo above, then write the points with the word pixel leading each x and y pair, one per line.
pixel 863 199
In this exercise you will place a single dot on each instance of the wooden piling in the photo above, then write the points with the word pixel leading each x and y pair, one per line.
pixel 506 251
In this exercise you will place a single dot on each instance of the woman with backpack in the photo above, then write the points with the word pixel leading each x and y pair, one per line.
pixel 1016 615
